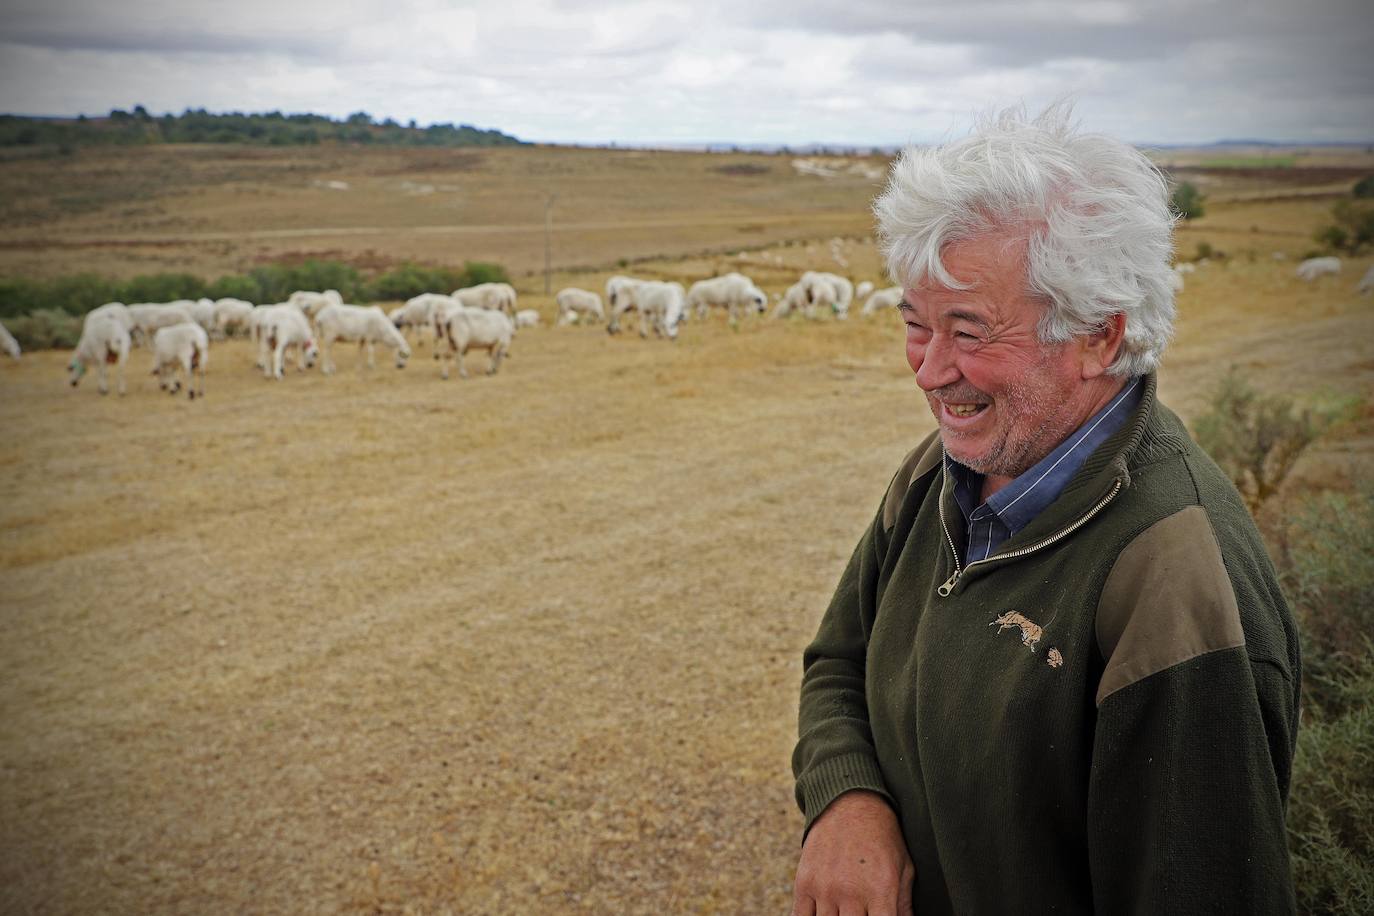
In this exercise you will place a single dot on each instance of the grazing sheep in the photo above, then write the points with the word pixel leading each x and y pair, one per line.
pixel 793 300
pixel 467 329
pixel 1313 268
pixel 812 292
pixel 148 317
pixel 620 298
pixel 863 289
pixel 1175 281
pixel 573 303
pixel 1366 284
pixel 202 311
pixel 418 312
pixel 841 291
pixel 495 296
pixel 231 315
pixel 661 306
pixel 527 318
pixel 181 347
pixel 367 324
pixel 104 340
pixel 732 291
pixel 278 327
pixel 117 311
pixel 8 343
pixel 883 299
pixel 311 302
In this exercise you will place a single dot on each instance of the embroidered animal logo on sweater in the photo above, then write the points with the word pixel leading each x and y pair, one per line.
pixel 1030 630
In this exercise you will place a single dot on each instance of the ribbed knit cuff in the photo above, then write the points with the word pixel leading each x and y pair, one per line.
pixel 832 778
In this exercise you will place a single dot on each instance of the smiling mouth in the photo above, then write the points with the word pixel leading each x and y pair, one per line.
pixel 964 410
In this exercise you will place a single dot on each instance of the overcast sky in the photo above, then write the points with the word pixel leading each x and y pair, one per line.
pixel 678 71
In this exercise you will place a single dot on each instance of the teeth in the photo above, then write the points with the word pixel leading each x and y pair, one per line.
pixel 964 410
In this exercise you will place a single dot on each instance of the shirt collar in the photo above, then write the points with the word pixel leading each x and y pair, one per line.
pixel 1033 491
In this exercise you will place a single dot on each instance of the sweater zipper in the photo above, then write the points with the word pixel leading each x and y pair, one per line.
pixel 959 570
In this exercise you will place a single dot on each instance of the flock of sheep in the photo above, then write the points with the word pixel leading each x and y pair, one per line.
pixel 482 317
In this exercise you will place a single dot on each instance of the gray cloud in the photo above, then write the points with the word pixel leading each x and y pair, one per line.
pixel 866 71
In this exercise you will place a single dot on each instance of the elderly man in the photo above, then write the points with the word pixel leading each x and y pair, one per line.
pixel 1057 675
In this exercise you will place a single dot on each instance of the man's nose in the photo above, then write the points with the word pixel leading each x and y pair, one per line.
pixel 937 368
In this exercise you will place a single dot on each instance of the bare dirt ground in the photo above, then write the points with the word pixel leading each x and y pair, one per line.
pixel 526 643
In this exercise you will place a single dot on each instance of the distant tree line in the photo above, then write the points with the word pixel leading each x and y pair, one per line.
pixel 196 125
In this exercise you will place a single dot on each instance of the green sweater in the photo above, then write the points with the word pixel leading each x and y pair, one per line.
pixel 1100 717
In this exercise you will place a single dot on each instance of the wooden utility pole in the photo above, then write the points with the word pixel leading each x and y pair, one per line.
pixel 548 240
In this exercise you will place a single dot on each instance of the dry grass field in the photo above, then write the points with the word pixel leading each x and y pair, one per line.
pixel 525 643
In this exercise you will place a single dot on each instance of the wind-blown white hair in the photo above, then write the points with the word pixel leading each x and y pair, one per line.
pixel 1094 211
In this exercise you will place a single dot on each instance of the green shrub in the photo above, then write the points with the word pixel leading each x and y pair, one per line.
pixel 235 286
pixel 160 288
pixel 484 272
pixel 1187 201
pixel 1352 229
pixel 45 329
pixel 1254 438
pixel 410 280
pixel 1364 188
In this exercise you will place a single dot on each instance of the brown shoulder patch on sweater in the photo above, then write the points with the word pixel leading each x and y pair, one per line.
pixel 1167 599
pixel 918 461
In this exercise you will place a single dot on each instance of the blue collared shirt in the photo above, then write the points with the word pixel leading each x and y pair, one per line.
pixel 1011 508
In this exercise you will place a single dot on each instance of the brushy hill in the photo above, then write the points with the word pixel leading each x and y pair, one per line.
pixel 270 128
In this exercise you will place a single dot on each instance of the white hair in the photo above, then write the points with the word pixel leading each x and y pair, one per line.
pixel 1094 211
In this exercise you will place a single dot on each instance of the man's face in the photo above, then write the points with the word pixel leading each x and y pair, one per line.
pixel 1002 398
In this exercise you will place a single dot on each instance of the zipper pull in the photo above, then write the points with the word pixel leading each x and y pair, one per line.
pixel 948 587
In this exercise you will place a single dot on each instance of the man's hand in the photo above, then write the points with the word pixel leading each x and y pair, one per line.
pixel 854 862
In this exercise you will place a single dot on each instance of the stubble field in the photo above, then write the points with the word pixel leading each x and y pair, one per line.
pixel 522 643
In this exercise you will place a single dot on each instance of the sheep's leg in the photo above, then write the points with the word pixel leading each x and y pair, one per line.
pixel 278 358
pixel 101 384
pixel 462 369
pixel 371 354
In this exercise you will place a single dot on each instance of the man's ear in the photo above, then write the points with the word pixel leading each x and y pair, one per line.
pixel 1100 348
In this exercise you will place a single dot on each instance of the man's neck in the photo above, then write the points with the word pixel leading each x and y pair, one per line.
pixel 1096 395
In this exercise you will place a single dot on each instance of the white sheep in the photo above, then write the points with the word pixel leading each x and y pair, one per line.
pixel 863 289
pixel 1175 281
pixel 573 303
pixel 104 340
pixel 497 296
pixel 8 343
pixel 808 295
pixel 465 329
pixel 181 347
pixel 277 328
pixel 661 306
pixel 116 311
pixel 620 298
pixel 148 317
pixel 841 290
pixel 232 315
pixel 527 318
pixel 733 292
pixel 1313 268
pixel 367 324
pixel 310 301
pixel 417 313
pixel 1185 267
pixel 792 300
pixel 881 300
pixel 1366 284
pixel 202 311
